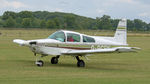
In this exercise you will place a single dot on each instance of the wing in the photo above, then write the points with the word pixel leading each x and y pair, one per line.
pixel 108 50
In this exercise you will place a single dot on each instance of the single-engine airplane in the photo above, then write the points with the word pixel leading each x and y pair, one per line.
pixel 71 43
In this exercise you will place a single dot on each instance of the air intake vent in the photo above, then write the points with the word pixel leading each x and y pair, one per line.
pixel 31 43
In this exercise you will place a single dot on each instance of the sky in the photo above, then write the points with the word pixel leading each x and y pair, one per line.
pixel 117 9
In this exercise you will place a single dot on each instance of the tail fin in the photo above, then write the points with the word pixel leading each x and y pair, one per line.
pixel 121 32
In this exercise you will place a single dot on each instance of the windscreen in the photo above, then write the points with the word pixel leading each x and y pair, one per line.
pixel 58 36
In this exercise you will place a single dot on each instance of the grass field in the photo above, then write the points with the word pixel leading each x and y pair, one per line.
pixel 17 63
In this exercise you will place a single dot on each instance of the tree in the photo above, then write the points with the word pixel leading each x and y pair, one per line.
pixel 35 23
pixel 139 24
pixel 10 22
pixel 97 23
pixel 57 22
pixel 50 24
pixel 114 23
pixel 104 22
pixel 8 14
pixel 25 14
pixel 41 19
pixel 148 27
pixel 70 21
pixel 1 23
pixel 42 24
pixel 130 25
pixel 26 23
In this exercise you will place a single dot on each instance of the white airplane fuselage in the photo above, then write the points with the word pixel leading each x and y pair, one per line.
pixel 55 47
pixel 65 42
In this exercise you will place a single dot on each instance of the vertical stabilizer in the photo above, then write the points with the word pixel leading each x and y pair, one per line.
pixel 121 32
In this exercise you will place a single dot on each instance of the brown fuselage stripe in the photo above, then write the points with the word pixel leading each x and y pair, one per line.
pixel 76 48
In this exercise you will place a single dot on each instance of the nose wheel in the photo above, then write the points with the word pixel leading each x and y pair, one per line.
pixel 80 62
pixel 39 63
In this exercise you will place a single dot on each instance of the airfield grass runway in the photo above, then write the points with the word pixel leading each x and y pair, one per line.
pixel 17 64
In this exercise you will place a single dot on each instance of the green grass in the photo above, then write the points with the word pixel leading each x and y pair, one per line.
pixel 17 63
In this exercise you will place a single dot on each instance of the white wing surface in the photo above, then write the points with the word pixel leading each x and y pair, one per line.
pixel 108 50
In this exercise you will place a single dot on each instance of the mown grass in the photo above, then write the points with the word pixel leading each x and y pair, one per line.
pixel 17 63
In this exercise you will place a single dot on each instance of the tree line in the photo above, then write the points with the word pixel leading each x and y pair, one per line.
pixel 59 20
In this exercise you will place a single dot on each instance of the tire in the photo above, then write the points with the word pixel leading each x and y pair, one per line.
pixel 54 60
pixel 40 63
pixel 80 63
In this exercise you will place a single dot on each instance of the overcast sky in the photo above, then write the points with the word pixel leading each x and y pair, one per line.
pixel 129 9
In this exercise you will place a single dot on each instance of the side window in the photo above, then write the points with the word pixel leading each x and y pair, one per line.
pixel 88 39
pixel 71 37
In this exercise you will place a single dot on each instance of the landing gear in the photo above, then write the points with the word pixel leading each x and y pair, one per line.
pixel 80 63
pixel 39 63
pixel 54 60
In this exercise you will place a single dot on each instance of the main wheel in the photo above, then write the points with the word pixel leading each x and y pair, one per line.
pixel 54 60
pixel 80 63
pixel 40 63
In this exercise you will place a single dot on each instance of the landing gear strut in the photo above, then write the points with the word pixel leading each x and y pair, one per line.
pixel 54 60
pixel 80 62
pixel 38 62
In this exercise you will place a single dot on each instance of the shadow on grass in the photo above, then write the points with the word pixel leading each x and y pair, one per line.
pixel 93 66
pixel 109 66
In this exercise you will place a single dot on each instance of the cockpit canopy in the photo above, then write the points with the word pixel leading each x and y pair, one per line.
pixel 59 35
pixel 71 37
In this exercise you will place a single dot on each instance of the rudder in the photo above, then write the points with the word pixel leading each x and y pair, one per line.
pixel 121 32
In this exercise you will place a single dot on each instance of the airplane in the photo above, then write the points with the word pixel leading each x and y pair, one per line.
pixel 64 42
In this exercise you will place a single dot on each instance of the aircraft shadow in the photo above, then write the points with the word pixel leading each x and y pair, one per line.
pixel 94 66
